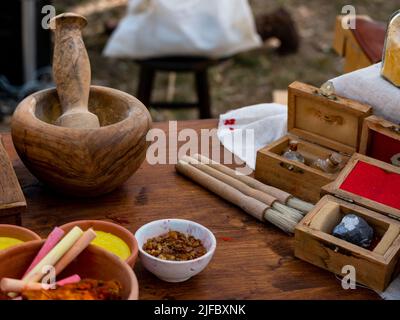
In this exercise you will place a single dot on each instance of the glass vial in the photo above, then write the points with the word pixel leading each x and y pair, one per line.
pixel 330 165
pixel 292 153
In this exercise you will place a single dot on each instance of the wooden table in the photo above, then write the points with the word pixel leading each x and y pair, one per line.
pixel 252 260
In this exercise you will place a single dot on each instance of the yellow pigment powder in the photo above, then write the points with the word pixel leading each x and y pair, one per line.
pixel 391 64
pixel 112 244
pixel 6 242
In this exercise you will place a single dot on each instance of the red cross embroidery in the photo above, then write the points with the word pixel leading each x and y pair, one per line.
pixel 229 122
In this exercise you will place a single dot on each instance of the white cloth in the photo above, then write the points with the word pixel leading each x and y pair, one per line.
pixel 368 87
pixel 393 291
pixel 246 130
pixel 154 28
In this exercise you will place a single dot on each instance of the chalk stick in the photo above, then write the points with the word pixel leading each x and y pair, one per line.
pixel 75 250
pixel 14 285
pixel 51 241
pixel 70 280
pixel 54 255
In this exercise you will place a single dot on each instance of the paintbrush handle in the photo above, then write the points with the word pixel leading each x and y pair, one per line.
pixel 71 69
pixel 250 205
pixel 235 183
pixel 280 195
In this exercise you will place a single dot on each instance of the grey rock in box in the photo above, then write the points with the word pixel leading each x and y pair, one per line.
pixel 354 229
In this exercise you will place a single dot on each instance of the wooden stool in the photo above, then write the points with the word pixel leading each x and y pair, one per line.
pixel 198 66
pixel 362 46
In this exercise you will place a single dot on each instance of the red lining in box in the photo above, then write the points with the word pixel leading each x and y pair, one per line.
pixel 374 183
pixel 383 147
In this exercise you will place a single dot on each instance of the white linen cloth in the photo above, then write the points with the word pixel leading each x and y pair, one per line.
pixel 209 28
pixel 246 130
pixel 368 87
pixel 393 291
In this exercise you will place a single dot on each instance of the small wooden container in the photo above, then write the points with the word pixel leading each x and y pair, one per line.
pixel 375 267
pixel 380 139
pixel 12 200
pixel 322 125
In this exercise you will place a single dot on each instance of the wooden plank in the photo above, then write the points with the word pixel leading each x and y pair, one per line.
pixel 12 200
pixel 156 192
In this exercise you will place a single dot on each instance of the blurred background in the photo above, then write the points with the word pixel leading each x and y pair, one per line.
pixel 247 78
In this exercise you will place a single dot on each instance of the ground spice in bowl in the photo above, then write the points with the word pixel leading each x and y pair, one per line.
pixel 175 246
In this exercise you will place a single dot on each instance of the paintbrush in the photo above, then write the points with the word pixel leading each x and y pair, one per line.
pixel 252 206
pixel 282 196
pixel 247 190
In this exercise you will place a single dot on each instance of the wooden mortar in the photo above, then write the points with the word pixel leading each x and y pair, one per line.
pixel 80 159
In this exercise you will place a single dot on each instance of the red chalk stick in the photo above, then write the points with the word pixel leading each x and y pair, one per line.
pixel 52 240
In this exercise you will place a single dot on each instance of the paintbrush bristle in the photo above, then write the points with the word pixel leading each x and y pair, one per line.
pixel 300 205
pixel 287 211
pixel 279 220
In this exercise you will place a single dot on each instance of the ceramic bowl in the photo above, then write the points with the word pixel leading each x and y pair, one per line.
pixel 175 271
pixel 93 263
pixel 16 232
pixel 112 228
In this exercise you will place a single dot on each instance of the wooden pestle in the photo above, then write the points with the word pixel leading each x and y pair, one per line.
pixel 72 74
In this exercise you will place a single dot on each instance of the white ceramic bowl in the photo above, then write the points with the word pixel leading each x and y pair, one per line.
pixel 175 271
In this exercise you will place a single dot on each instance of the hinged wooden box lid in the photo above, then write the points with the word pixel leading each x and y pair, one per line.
pixel 12 200
pixel 330 121
pixel 380 139
pixel 370 183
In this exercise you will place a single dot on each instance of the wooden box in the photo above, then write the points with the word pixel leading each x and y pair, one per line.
pixel 12 200
pixel 364 187
pixel 380 139
pixel 322 125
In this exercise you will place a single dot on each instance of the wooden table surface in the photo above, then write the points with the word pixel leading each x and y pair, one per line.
pixel 252 261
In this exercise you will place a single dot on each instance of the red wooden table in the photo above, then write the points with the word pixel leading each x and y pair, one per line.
pixel 252 260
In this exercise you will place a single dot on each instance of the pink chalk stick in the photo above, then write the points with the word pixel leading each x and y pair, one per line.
pixel 70 280
pixel 51 241
pixel 17 298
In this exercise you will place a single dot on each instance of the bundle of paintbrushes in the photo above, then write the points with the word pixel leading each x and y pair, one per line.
pixel 263 202
pixel 58 251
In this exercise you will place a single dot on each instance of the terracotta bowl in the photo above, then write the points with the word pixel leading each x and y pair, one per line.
pixel 93 263
pixel 16 232
pixel 82 162
pixel 112 228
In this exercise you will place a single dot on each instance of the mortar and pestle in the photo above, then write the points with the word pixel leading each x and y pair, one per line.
pixel 81 140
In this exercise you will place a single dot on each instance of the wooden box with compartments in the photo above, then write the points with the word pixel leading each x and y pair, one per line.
pixel 367 188
pixel 12 200
pixel 322 125
pixel 380 139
